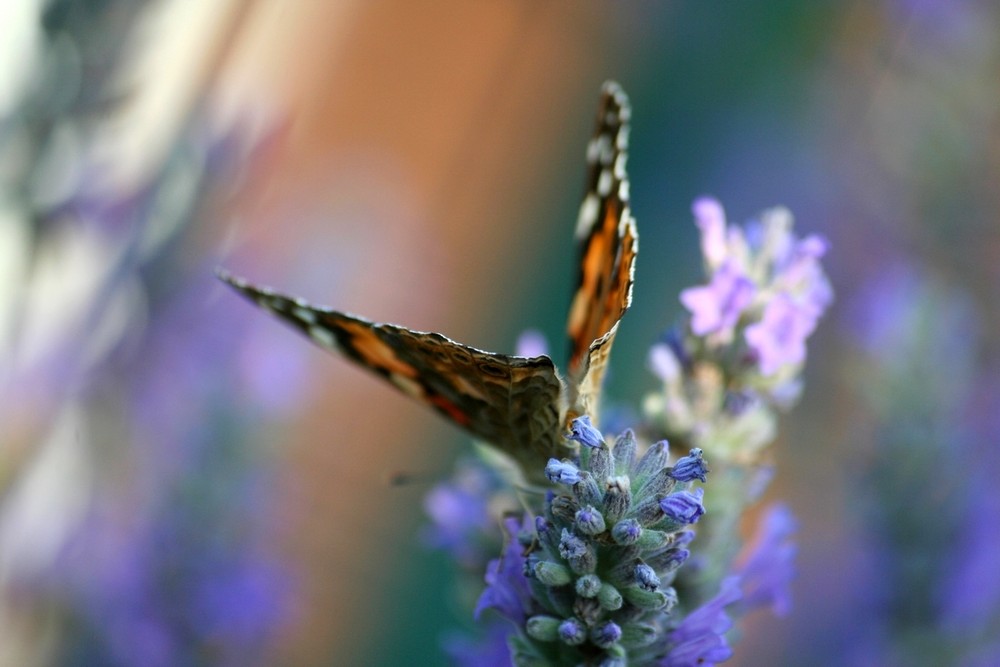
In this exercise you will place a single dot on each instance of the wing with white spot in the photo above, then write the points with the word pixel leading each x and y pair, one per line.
pixel 511 402
pixel 608 246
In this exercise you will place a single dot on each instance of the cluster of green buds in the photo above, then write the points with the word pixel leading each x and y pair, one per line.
pixel 603 555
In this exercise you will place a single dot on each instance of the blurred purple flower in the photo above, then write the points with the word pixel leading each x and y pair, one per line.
pixel 767 572
pixel 489 649
pixel 507 588
pixel 716 307
pixel 532 343
pixel 700 639
pixel 459 509
pixel 779 339
pixel 711 220
pixel 970 592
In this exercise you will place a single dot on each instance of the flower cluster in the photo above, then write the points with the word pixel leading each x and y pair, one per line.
pixel 592 574
pixel 588 580
pixel 742 350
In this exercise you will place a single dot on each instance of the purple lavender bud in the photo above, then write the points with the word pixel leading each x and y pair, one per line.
pixel 684 507
pixel 626 532
pixel 606 634
pixel 530 563
pixel 562 472
pixel 582 431
pixel 579 554
pixel 669 560
pixel 690 467
pixel 571 546
pixel 646 577
pixel 572 632
pixel 589 521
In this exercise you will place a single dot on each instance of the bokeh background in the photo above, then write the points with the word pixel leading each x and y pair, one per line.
pixel 184 481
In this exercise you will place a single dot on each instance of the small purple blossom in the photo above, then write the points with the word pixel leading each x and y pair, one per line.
pixel 767 572
pixel 711 220
pixel 684 507
pixel 700 639
pixel 589 521
pixel 646 577
pixel 690 467
pixel 562 472
pixel 460 513
pixel 507 589
pixel 626 532
pixel 779 339
pixel 584 432
pixel 664 363
pixel 571 546
pixel 717 307
pixel 532 343
pixel 490 649
pixel 606 634
pixel 572 632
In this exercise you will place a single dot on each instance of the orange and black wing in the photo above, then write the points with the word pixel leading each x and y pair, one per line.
pixel 511 402
pixel 608 245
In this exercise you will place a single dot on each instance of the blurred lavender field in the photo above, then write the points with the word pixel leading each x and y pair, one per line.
pixel 184 481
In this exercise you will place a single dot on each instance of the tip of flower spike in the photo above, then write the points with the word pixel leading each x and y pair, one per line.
pixel 583 431
pixel 690 468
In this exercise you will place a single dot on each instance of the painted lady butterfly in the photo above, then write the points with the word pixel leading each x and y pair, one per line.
pixel 518 404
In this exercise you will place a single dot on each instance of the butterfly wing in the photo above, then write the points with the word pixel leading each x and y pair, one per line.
pixel 608 246
pixel 511 402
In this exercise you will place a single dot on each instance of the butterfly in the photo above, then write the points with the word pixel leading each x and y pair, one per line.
pixel 520 405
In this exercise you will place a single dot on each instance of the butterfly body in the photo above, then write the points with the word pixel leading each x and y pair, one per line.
pixel 520 405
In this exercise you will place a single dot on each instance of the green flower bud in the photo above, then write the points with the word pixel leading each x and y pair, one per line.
pixel 552 574
pixel 543 628
pixel 609 597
